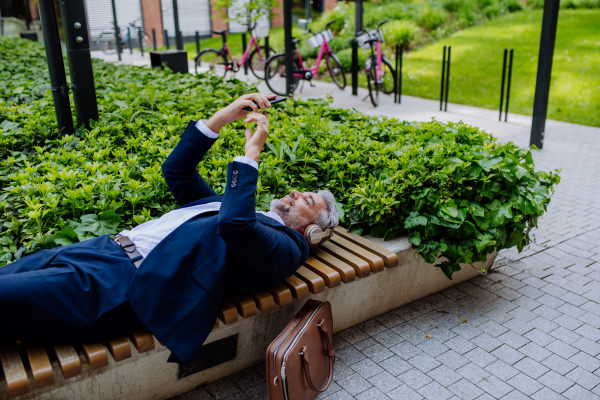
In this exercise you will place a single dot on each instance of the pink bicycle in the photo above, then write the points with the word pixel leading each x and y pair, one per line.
pixel 275 73
pixel 221 60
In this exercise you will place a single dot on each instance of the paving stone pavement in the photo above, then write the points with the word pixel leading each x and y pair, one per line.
pixel 533 327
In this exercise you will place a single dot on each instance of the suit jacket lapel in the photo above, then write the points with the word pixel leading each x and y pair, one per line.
pixel 205 200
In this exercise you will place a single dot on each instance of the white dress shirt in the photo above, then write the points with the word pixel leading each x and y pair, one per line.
pixel 147 235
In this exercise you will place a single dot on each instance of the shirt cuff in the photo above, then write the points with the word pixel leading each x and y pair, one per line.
pixel 206 131
pixel 246 160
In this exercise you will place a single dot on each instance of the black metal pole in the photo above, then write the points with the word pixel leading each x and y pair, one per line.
pixel 128 40
pixel 354 68
pixel 56 68
pixel 197 42
pixel 443 77
pixel 267 48
pixel 307 7
pixel 154 38
pixel 178 37
pixel 544 72
pixel 447 79
pixel 397 66
pixel 510 65
pixel 502 85
pixel 77 40
pixel 140 38
pixel 117 30
pixel 166 34
pixel 400 73
pixel 359 16
pixel 289 46
pixel 244 43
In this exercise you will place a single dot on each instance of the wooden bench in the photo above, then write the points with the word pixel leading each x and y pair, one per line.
pixel 331 272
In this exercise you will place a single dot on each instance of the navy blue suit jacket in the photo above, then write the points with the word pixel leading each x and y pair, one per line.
pixel 180 285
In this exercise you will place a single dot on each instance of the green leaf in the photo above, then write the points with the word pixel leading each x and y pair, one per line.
pixel 415 238
pixel 65 236
pixel 484 241
pixel 448 268
pixel 488 163
pixel 414 220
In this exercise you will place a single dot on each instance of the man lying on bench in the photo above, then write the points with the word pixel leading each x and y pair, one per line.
pixel 172 273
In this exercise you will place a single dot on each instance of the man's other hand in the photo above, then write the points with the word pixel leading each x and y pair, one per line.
pixel 255 143
pixel 235 110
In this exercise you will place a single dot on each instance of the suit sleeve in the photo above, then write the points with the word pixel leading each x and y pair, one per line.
pixel 271 252
pixel 179 169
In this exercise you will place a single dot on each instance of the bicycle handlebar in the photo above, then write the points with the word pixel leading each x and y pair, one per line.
pixel 385 21
pixel 330 23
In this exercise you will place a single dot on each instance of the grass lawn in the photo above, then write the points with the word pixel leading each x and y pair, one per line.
pixel 477 65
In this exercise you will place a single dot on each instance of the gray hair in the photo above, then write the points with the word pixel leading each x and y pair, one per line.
pixel 327 218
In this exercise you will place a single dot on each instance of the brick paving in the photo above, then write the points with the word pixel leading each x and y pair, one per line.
pixel 533 327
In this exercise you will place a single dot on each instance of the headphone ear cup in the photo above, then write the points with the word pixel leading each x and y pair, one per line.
pixel 310 232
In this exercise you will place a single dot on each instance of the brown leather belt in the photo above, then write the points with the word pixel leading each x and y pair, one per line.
pixel 130 249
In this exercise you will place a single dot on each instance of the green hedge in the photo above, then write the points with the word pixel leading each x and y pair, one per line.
pixel 451 187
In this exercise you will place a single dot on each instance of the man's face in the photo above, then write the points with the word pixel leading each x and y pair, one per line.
pixel 298 209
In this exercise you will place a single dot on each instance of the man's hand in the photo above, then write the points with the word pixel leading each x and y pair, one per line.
pixel 235 110
pixel 255 143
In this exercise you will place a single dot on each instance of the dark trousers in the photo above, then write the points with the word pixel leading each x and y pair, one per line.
pixel 69 294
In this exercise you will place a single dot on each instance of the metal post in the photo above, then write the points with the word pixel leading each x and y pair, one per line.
pixel 544 72
pixel 400 73
pixel 117 30
pixel 267 48
pixel 166 35
pixel 397 66
pixel 510 64
pixel 447 79
pixel 307 7
pixel 197 42
pixel 56 68
pixel 154 38
pixel 178 37
pixel 354 68
pixel 77 39
pixel 244 43
pixel 502 85
pixel 289 46
pixel 359 16
pixel 140 38
pixel 128 40
pixel 443 77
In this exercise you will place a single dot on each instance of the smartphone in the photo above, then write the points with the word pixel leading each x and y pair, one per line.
pixel 276 100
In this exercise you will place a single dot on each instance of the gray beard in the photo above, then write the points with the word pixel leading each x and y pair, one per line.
pixel 291 218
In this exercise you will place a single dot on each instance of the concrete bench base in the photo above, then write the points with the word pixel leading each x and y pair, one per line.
pixel 149 376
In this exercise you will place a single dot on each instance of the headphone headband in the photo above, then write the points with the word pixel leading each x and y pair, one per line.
pixel 314 235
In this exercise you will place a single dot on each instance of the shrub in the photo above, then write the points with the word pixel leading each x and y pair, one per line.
pixel 431 17
pixel 451 187
pixel 406 32
pixel 345 57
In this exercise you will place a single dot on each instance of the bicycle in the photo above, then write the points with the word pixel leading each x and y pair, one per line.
pixel 379 71
pixel 255 59
pixel 275 73
pixel 108 43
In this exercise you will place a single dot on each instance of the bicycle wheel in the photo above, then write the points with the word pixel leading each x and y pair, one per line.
pixel 210 60
pixel 107 43
pixel 372 81
pixel 275 75
pixel 336 70
pixel 387 81
pixel 257 61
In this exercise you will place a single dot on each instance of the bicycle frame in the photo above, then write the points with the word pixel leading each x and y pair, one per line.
pixel 324 48
pixel 379 69
pixel 244 57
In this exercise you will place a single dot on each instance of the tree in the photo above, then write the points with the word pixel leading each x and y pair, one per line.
pixel 245 12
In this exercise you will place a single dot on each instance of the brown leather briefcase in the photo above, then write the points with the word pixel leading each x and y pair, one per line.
pixel 300 360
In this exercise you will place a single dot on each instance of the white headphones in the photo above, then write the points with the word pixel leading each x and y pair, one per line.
pixel 314 235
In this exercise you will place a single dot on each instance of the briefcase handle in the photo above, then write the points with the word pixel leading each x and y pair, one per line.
pixel 329 353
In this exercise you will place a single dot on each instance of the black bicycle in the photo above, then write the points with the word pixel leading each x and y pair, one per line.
pixel 107 41
pixel 379 71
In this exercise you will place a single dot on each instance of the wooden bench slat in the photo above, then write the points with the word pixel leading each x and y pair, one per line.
pixel 228 314
pixel 281 294
pixel 120 348
pixel 245 305
pixel 389 257
pixel 264 300
pixel 330 276
pixel 142 339
pixel 214 327
pixel 41 368
pixel 68 359
pixel 14 371
pixel 96 355
pixel 347 273
pixel 361 267
pixel 375 262
pixel 297 286
pixel 315 283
